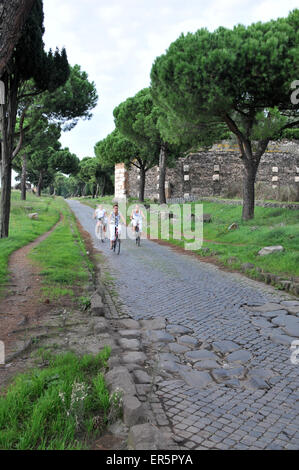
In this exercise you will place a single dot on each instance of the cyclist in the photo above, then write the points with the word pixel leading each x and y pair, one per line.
pixel 114 223
pixel 136 218
pixel 101 215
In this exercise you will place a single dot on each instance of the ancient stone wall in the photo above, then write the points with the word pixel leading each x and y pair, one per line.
pixel 213 172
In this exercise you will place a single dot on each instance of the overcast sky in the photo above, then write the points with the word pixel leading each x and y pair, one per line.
pixel 116 42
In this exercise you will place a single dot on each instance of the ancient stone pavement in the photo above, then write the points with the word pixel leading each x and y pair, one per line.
pixel 215 345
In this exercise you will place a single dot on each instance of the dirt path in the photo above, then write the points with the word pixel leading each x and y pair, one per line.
pixel 22 307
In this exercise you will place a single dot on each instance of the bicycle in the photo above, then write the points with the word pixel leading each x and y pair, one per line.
pixel 101 229
pixel 137 233
pixel 116 242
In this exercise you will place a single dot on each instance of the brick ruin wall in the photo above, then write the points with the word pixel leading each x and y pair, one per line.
pixel 213 172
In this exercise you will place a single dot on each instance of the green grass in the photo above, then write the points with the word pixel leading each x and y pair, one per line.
pixel 63 259
pixel 60 407
pixel 271 226
pixel 24 230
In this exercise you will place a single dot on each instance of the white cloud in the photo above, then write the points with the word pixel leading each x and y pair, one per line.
pixel 116 42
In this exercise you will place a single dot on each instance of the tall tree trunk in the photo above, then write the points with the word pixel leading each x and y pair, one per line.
pixel 162 174
pixel 13 15
pixel 8 114
pixel 40 184
pixel 142 184
pixel 248 191
pixel 24 177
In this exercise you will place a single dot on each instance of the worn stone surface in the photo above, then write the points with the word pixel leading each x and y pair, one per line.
pixel 178 348
pixel 177 329
pixel 133 412
pixel 142 377
pixel 157 336
pixel 129 333
pixel 194 378
pixel 200 354
pixel 224 347
pixel 97 307
pixel 129 344
pixel 188 341
pixel 148 437
pixel 242 356
pixel 133 357
pixel 206 364
pixel 128 323
pixel 154 324
pixel 120 378
pixel 100 325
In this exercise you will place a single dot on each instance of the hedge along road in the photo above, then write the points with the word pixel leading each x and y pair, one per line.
pixel 236 387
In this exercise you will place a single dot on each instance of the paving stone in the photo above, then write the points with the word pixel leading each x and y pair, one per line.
pixel 273 314
pixel 262 373
pixel 268 307
pixel 178 348
pixel 132 411
pixel 279 320
pixel 177 329
pixel 188 341
pixel 158 323
pixel 128 323
pixel 168 366
pixel 199 354
pixel 256 383
pixel 261 323
pixel 224 347
pixel 133 357
pixel 100 325
pixel 157 336
pixel 241 356
pixel 149 437
pixel 168 357
pixel 283 339
pixel 195 379
pixel 130 344
pixel 226 375
pixel 206 364
pixel 129 333
pixel 291 326
pixel 120 378
pixel 142 377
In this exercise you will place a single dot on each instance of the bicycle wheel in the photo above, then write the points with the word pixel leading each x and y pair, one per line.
pixel 118 246
pixel 138 240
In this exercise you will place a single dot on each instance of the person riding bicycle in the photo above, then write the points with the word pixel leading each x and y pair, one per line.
pixel 101 215
pixel 114 224
pixel 136 218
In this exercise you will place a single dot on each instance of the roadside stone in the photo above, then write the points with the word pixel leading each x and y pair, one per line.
pixel 129 333
pixel 262 373
pixel 194 378
pixel 224 347
pixel 206 364
pixel 225 375
pixel 293 310
pixel 291 326
pixel 194 356
pixel 290 303
pixel 142 377
pixel 177 329
pixel 247 266
pixel 168 357
pixel 260 323
pixel 256 383
pixel 279 338
pixel 100 325
pixel 133 357
pixel 279 321
pixel 128 324
pixel 129 344
pixel 132 411
pixel 158 323
pixel 120 378
pixel 97 308
pixel 157 336
pixel 178 348
pixel 118 429
pixel 148 437
pixel 241 356
pixel 268 307
pixel 168 366
pixel 267 250
pixel 188 341
pixel 276 313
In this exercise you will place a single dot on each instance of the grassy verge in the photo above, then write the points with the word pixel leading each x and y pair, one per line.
pixel 271 226
pixel 24 230
pixel 63 259
pixel 63 406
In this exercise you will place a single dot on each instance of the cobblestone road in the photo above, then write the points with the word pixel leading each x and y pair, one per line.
pixel 247 396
